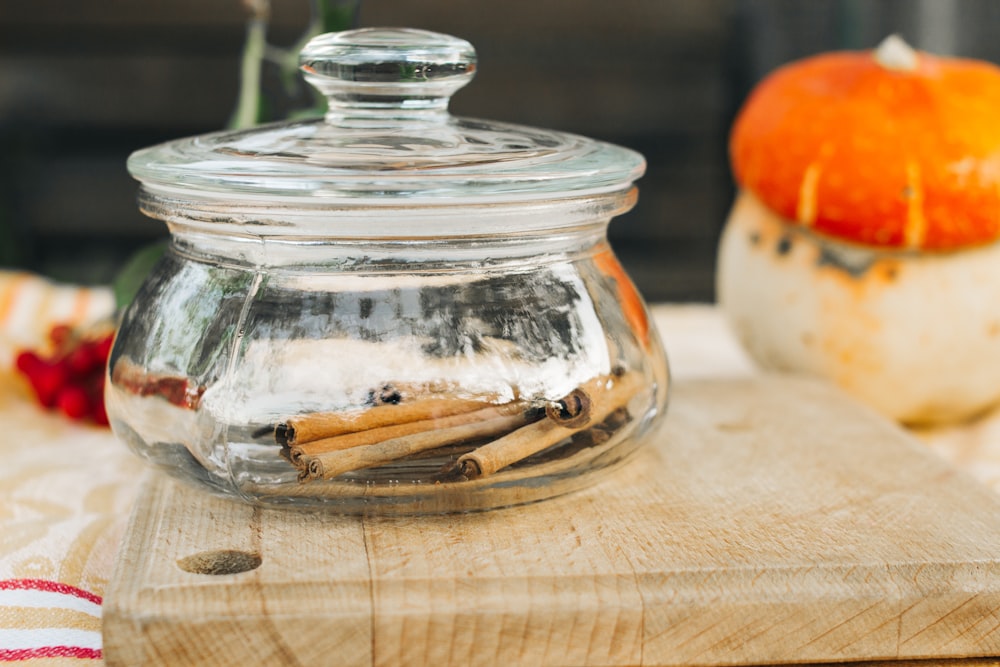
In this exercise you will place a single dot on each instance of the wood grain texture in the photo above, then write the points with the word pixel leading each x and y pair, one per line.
pixel 770 520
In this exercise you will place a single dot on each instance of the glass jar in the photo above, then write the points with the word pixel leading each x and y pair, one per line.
pixel 389 308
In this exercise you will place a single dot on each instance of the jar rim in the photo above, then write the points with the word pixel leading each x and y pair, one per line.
pixel 383 219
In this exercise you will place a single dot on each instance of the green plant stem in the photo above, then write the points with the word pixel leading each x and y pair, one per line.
pixel 248 109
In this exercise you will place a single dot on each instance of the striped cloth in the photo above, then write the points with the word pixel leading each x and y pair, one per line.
pixel 41 618
pixel 65 492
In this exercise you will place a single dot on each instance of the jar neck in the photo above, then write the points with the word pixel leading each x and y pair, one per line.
pixel 389 255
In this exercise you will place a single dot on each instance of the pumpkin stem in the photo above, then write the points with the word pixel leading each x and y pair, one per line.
pixel 895 54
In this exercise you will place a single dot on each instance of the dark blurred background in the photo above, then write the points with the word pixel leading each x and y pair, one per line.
pixel 84 83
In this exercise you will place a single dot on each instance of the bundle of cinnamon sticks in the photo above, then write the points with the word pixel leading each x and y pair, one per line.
pixel 404 421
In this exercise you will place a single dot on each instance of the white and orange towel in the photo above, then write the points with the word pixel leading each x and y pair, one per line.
pixel 66 489
pixel 41 618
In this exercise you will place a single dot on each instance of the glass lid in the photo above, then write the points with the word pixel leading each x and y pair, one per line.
pixel 386 142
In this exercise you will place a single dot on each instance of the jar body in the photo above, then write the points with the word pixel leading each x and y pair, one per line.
pixel 366 375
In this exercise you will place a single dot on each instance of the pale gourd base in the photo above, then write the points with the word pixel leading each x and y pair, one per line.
pixel 770 520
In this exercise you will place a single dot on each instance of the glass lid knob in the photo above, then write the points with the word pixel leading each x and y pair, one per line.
pixel 387 72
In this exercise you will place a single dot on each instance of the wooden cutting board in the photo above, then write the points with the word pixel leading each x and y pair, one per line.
pixel 770 520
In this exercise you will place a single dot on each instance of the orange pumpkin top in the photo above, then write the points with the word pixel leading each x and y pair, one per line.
pixel 875 153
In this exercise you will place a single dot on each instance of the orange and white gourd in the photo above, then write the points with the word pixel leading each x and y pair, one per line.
pixel 862 246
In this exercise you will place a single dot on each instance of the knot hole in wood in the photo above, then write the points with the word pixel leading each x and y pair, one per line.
pixel 220 561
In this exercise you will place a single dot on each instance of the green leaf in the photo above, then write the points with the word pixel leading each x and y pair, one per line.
pixel 133 274
pixel 337 15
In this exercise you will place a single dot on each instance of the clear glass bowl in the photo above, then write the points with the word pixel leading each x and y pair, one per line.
pixel 389 309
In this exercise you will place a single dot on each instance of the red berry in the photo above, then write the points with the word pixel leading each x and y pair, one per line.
pixel 28 363
pixel 98 413
pixel 104 347
pixel 73 403
pixel 47 380
pixel 94 385
pixel 59 334
pixel 83 359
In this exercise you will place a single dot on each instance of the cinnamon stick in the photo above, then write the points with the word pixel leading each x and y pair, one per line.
pixel 399 430
pixel 394 393
pixel 605 394
pixel 572 410
pixel 330 464
pixel 595 436
pixel 320 425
